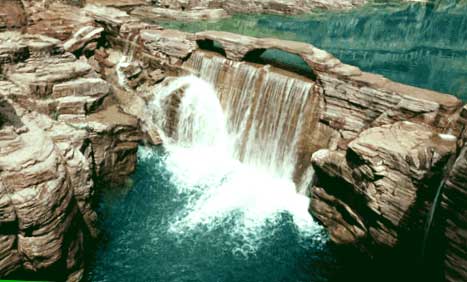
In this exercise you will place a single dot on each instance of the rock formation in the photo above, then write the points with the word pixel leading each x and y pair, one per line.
pixel 380 186
pixel 384 144
pixel 153 13
pixel 261 6
pixel 77 80
pixel 61 132
pixel 12 15
pixel 453 217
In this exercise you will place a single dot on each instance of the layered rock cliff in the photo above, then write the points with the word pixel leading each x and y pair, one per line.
pixel 384 145
pixel 268 6
pixel 61 132
pixel 380 149
pixel 12 15
pixel 452 218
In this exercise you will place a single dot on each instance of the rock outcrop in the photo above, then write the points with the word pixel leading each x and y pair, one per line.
pixel 453 216
pixel 384 144
pixel 42 224
pixel 61 132
pixel 12 15
pixel 261 6
pixel 54 18
pixel 69 90
pixel 154 14
pixel 380 149
pixel 380 188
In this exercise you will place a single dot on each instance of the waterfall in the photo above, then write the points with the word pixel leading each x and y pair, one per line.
pixel 233 150
pixel 436 202
pixel 265 110
pixel 126 59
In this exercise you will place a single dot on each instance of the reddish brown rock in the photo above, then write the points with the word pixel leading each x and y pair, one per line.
pixel 52 154
pixel 153 13
pixel 264 6
pixel 41 222
pixel 12 15
pixel 382 185
pixel 453 215
pixel 55 19
pixel 114 136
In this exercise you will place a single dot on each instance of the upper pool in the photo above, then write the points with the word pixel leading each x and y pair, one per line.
pixel 423 45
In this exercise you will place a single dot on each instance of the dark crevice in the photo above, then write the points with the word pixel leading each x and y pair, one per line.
pixel 9 228
pixel 211 45
pixel 8 116
pixel 280 59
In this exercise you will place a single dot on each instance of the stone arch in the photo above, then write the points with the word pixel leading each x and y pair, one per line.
pixel 282 59
pixel 211 45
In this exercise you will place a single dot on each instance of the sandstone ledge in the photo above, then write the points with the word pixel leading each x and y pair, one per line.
pixel 385 143
pixel 61 131
pixel 154 14
pixel 262 6
pixel 384 190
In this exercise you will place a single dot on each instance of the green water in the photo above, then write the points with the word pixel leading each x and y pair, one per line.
pixel 140 242
pixel 416 44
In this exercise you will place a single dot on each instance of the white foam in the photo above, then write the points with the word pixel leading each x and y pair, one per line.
pixel 220 187
pixel 122 80
pixel 447 137
pixel 320 154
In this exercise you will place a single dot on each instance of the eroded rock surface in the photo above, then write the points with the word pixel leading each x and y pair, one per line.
pixel 268 6
pixel 379 188
pixel 61 131
pixel 453 215
pixel 153 13
pixel 12 15
pixel 46 190
pixel 384 145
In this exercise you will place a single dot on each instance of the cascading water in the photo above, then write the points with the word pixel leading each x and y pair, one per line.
pixel 126 59
pixel 265 111
pixel 217 203
pixel 205 162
